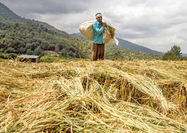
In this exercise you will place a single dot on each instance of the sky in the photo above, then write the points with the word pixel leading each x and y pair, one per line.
pixel 156 24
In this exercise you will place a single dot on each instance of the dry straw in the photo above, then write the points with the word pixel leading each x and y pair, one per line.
pixel 102 96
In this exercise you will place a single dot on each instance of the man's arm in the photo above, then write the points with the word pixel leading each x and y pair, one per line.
pixel 97 29
pixel 105 25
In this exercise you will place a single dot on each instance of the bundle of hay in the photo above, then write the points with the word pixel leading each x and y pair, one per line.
pixel 86 29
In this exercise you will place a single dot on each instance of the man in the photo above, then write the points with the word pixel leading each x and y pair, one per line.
pixel 98 42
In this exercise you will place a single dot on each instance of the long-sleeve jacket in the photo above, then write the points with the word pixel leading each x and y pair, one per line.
pixel 98 33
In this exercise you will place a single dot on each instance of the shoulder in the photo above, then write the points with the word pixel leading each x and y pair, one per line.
pixel 96 23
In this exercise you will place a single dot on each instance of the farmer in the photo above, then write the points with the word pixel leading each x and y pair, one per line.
pixel 98 41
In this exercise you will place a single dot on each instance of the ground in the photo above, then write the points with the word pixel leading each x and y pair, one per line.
pixel 103 96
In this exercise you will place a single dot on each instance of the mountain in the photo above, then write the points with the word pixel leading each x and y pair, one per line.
pixel 133 46
pixel 9 15
pixel 130 45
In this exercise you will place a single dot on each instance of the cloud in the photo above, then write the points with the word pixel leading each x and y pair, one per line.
pixel 151 23
pixel 25 7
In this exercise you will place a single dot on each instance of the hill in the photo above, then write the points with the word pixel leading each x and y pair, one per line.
pixel 103 96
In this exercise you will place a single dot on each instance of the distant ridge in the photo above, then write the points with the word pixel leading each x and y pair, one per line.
pixel 133 46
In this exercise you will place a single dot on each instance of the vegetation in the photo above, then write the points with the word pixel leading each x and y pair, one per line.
pixel 84 96
pixel 8 56
pixel 35 39
pixel 185 58
pixel 173 54
pixel 49 59
pixel 9 15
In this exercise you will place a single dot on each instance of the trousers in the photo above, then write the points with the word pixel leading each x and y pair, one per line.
pixel 98 51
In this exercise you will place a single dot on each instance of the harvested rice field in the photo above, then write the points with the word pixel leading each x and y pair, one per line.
pixel 93 97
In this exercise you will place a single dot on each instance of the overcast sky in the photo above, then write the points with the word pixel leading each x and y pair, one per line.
pixel 156 24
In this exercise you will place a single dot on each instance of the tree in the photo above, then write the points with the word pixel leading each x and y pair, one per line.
pixel 22 50
pixel 173 54
pixel 10 50
pixel 38 51
pixel 176 50
pixel 29 51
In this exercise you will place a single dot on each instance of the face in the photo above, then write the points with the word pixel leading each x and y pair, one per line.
pixel 99 19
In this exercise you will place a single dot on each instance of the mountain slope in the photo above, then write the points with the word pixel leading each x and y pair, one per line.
pixel 9 15
pixel 31 38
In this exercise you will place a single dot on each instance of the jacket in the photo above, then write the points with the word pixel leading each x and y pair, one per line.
pixel 98 33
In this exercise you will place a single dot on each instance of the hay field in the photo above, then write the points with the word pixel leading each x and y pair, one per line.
pixel 105 96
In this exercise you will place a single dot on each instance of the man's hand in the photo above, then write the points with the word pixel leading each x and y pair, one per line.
pixel 104 25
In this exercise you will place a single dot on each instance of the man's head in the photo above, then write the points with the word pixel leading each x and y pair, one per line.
pixel 98 17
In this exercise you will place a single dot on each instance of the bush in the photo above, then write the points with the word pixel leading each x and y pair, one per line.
pixel 38 51
pixel 48 59
pixel 8 56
